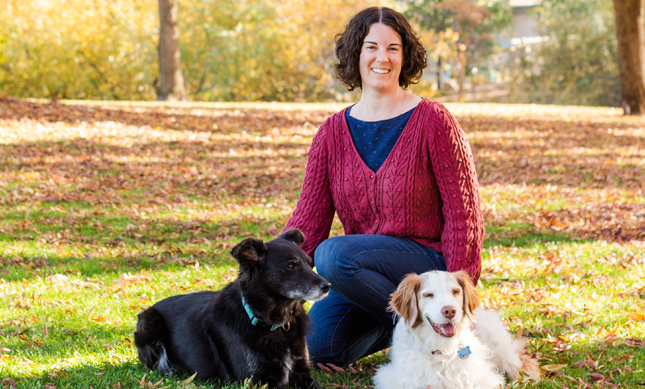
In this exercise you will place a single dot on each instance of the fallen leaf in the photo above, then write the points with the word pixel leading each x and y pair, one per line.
pixel 323 367
pixel 553 367
pixel 188 380
pixel 636 316
pixel 596 376
pixel 336 368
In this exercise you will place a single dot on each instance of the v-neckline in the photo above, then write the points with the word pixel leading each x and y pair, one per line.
pixel 396 144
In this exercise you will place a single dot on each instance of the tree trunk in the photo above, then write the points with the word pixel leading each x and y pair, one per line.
pixel 462 71
pixel 171 86
pixel 630 32
pixel 439 74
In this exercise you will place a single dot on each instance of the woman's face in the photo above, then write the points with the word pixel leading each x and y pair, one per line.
pixel 381 58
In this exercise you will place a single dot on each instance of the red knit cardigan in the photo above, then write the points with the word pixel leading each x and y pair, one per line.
pixel 426 190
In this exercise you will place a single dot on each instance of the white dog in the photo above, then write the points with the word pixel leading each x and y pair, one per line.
pixel 442 342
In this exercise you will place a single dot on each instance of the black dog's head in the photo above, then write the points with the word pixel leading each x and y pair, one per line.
pixel 281 265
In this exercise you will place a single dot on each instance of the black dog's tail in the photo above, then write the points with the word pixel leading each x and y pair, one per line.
pixel 149 339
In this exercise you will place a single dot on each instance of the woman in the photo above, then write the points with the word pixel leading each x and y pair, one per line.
pixel 399 171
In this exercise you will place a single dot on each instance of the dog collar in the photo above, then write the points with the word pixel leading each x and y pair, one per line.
pixel 255 320
pixel 464 351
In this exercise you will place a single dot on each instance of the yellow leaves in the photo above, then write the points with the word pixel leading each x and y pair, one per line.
pixel 636 316
pixel 127 279
pixel 188 380
pixel 33 342
pixel 609 334
pixel 553 368
pixel 248 384
pixel 143 384
pixel 3 355
pixel 106 320
pixel 23 303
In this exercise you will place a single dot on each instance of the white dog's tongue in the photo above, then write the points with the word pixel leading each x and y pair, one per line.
pixel 447 330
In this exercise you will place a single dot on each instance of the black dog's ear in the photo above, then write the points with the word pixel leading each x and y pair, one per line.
pixel 250 249
pixel 293 235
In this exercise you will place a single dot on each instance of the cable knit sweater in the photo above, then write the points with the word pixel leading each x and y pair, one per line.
pixel 426 190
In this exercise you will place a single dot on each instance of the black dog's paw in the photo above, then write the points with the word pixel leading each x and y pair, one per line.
pixel 305 383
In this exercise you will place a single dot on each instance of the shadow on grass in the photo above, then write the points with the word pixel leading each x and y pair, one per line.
pixel 99 174
pixel 170 245
pixel 573 154
pixel 126 244
pixel 124 375
pixel 618 364
pixel 519 237
pixel 165 118
pixel 30 267
pixel 106 375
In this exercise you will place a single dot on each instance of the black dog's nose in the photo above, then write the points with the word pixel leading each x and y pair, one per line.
pixel 325 286
pixel 449 311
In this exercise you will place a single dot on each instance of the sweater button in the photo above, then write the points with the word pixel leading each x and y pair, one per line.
pixel 372 177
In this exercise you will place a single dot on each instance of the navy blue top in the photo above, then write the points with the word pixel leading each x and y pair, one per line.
pixel 375 140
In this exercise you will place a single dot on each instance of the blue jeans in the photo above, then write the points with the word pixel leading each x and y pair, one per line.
pixel 353 320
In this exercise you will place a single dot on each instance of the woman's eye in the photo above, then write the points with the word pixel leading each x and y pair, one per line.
pixel 428 295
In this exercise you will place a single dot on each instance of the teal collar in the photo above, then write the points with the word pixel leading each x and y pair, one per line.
pixel 254 320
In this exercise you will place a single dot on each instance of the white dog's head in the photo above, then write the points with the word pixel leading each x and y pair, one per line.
pixel 438 299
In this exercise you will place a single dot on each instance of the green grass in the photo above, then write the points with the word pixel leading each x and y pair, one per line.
pixel 97 225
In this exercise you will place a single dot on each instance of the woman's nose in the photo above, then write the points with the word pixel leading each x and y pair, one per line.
pixel 381 55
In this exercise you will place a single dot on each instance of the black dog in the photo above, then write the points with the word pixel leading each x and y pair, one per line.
pixel 254 327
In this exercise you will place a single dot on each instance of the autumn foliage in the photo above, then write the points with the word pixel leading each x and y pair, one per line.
pixel 230 49
pixel 105 209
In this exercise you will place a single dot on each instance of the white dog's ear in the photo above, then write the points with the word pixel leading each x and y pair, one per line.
pixel 404 299
pixel 471 297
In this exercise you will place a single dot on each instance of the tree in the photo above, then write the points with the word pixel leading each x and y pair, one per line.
pixel 171 83
pixel 432 16
pixel 230 50
pixel 474 23
pixel 576 63
pixel 630 33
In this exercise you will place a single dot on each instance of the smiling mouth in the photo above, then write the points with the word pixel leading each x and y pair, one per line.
pixel 381 71
pixel 446 330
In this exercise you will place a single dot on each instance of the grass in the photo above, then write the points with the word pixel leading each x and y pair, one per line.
pixel 104 211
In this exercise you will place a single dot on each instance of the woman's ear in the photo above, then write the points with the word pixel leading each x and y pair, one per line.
pixel 471 297
pixel 405 301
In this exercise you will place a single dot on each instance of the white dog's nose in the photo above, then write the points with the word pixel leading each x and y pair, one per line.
pixel 449 311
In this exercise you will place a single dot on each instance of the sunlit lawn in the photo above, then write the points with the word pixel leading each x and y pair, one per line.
pixel 107 209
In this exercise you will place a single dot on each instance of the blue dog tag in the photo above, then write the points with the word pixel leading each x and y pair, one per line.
pixel 464 352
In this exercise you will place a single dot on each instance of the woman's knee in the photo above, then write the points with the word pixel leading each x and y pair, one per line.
pixel 332 257
pixel 324 256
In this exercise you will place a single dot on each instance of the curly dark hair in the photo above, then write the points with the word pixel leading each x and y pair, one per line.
pixel 350 42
